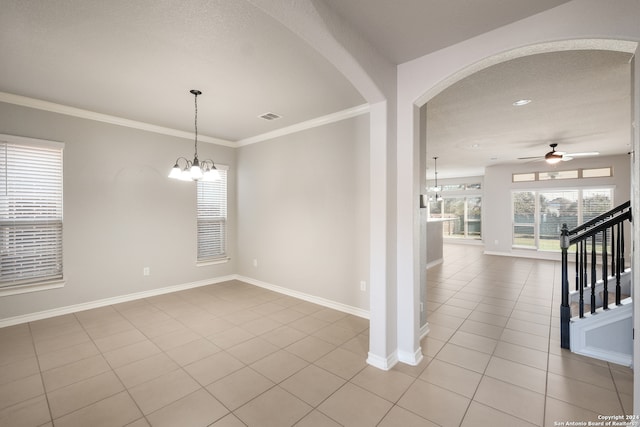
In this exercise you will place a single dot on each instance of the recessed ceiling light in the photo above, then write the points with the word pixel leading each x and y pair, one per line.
pixel 475 145
pixel 521 102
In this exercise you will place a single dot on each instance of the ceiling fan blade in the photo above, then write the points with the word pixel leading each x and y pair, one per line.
pixel 530 158
pixel 585 154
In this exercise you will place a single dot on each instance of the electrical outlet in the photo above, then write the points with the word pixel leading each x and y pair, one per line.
pixel 255 262
pixel 146 271
pixel 363 285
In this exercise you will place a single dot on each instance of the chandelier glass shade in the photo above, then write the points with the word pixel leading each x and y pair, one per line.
pixel 194 170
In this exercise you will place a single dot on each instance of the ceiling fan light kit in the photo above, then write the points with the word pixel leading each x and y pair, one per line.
pixel 553 156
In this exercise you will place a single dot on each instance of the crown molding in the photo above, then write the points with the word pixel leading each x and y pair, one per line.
pixel 38 104
pixel 309 124
pixel 105 118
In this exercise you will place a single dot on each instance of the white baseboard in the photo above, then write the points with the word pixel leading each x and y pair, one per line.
pixel 435 262
pixel 410 358
pixel 424 330
pixel 31 317
pixel 384 363
pixel 306 297
pixel 549 256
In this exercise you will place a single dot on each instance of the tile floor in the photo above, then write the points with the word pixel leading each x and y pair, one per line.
pixel 232 355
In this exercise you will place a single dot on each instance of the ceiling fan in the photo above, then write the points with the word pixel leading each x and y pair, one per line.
pixel 553 156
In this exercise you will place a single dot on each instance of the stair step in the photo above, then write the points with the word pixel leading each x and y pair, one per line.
pixel 575 307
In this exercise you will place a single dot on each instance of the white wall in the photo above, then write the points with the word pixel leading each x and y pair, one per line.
pixel 303 208
pixel 121 212
pixel 498 185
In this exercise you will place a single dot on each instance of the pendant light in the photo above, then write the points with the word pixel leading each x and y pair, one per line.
pixel 435 168
pixel 195 170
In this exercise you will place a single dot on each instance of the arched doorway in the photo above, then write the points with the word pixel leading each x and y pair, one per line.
pixel 413 114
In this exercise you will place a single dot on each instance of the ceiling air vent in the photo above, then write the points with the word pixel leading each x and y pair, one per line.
pixel 269 116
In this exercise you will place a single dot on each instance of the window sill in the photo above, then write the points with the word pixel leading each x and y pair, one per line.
pixel 212 262
pixel 32 287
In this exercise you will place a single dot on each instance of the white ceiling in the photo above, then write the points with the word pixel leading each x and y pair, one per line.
pixel 579 100
pixel 407 29
pixel 139 59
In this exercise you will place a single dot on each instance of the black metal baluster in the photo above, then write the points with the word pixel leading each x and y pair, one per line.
pixel 582 278
pixel 585 265
pixel 577 266
pixel 621 225
pixel 619 263
pixel 593 274
pixel 613 250
pixel 605 273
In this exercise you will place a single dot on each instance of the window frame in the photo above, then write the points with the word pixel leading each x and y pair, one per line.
pixel 536 224
pixel 204 260
pixel 464 196
pixel 54 198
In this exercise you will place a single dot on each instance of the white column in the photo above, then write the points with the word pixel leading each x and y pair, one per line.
pixel 408 232
pixel 382 309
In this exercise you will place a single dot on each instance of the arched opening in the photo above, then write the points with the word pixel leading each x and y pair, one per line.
pixel 459 126
pixel 422 105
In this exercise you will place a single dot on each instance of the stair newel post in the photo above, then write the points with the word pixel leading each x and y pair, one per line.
pixel 565 310
pixel 593 274
pixel 605 272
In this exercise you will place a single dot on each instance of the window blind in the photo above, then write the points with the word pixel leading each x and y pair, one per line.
pixel 30 212
pixel 212 218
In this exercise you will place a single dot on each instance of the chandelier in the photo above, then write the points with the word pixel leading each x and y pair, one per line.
pixel 195 170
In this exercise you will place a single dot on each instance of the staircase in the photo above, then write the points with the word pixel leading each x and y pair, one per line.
pixel 596 316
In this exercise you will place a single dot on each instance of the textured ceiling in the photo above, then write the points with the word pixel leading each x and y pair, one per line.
pixel 579 99
pixel 407 29
pixel 139 59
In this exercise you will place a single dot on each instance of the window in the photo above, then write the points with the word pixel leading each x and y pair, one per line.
pixel 524 177
pixel 212 218
pixel 476 186
pixel 566 174
pixel 463 216
pixel 460 208
pixel 596 173
pixel 30 211
pixel 556 208
pixel 544 176
pixel 538 215
pixel 524 218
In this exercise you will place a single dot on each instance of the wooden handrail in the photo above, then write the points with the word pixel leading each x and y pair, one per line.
pixel 601 217
pixel 598 228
